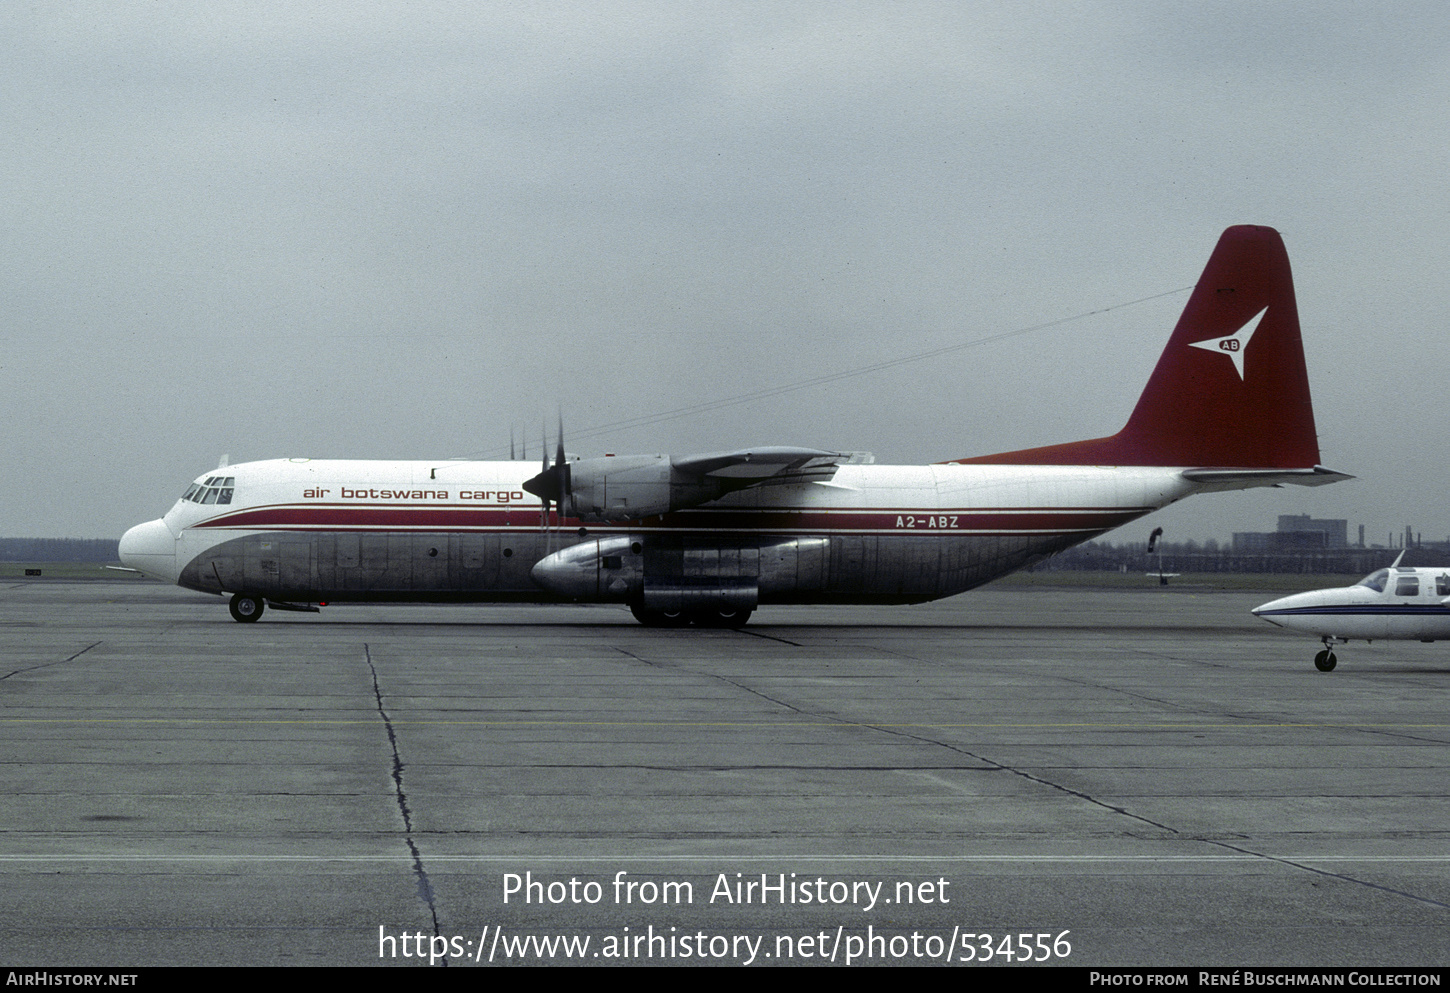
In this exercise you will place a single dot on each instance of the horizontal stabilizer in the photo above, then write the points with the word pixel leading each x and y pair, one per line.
pixel 1218 480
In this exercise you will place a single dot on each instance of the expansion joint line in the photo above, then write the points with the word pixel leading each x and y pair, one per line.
pixel 425 887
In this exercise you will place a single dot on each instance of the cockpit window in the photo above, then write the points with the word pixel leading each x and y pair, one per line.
pixel 1407 586
pixel 215 489
pixel 1376 580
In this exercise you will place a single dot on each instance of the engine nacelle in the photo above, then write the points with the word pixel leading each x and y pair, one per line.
pixel 600 570
pixel 622 488
pixel 673 574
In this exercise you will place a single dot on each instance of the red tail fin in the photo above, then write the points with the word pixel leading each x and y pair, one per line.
pixel 1230 390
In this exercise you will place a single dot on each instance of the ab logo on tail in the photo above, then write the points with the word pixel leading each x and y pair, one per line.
pixel 1233 345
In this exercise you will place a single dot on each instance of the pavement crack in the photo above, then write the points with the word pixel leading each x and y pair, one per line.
pixel 1160 701
pixel 1331 875
pixel 425 886
pixel 731 682
pixel 46 665
pixel 769 637
pixel 1030 777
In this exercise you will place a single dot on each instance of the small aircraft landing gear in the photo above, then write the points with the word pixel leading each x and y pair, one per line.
pixel 246 607
pixel 1325 660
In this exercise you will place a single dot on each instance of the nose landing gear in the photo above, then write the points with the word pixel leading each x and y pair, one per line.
pixel 1325 660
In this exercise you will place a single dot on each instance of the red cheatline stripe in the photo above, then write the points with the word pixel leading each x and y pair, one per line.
pixel 434 518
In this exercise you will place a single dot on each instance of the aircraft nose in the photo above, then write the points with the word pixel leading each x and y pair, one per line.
pixel 1273 611
pixel 151 550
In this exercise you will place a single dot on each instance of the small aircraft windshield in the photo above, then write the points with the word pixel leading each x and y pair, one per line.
pixel 1375 580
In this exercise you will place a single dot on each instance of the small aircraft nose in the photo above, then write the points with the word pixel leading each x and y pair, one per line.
pixel 151 550
pixel 1269 608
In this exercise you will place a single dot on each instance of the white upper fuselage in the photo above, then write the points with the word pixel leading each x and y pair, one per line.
pixel 304 495
pixel 1402 602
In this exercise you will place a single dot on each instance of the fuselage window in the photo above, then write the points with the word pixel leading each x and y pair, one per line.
pixel 1442 584
pixel 1407 586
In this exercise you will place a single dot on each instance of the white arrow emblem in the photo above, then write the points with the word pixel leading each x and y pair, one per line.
pixel 1233 346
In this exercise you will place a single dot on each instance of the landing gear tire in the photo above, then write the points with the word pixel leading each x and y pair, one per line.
pixel 659 618
pixel 1325 661
pixel 722 617
pixel 246 607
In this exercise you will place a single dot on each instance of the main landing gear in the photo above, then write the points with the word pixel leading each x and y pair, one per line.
pixel 246 607
pixel 1325 660
pixel 707 617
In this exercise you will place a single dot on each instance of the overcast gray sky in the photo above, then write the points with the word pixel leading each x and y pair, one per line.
pixel 395 230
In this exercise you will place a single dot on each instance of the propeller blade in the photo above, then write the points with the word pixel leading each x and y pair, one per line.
pixel 552 484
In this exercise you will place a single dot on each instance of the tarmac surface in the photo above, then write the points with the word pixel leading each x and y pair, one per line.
pixel 1089 777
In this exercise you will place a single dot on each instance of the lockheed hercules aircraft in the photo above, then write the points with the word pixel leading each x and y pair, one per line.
pixel 1401 603
pixel 704 539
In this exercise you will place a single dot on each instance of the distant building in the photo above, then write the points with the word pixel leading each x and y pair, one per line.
pixel 1296 533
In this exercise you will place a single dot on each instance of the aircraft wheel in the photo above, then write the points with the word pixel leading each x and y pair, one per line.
pixel 722 617
pixel 246 607
pixel 1325 661
pixel 659 618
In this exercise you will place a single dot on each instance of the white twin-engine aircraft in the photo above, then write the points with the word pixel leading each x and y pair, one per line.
pixel 704 539
pixel 1401 603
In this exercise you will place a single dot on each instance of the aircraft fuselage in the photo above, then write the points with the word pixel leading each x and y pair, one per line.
pixel 333 531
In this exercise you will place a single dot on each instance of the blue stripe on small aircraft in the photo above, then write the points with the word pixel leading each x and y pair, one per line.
pixel 1407 608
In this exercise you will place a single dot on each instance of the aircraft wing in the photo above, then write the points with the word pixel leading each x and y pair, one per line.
pixel 616 488
pixel 755 464
pixel 1216 480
